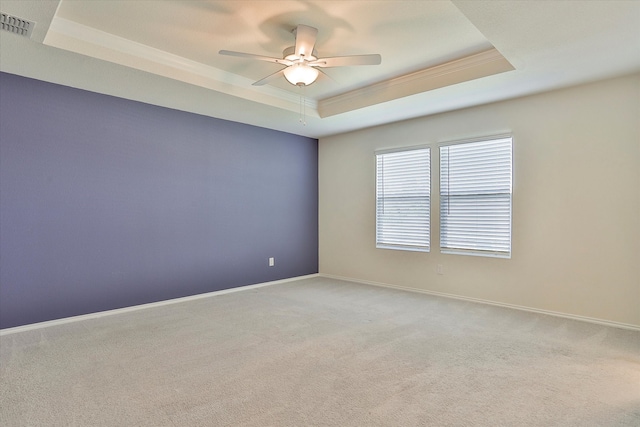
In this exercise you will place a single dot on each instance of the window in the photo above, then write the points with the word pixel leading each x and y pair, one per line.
pixel 403 190
pixel 475 197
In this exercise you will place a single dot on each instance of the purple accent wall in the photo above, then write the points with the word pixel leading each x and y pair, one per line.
pixel 108 203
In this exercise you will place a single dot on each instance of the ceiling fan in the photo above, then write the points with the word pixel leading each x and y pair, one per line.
pixel 302 60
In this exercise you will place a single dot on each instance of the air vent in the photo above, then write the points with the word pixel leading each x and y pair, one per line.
pixel 14 25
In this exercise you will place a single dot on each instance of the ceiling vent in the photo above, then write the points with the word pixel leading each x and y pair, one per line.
pixel 14 25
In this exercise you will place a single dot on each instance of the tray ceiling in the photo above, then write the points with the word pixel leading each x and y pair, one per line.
pixel 436 55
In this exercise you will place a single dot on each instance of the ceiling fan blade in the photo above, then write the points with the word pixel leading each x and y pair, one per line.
pixel 269 78
pixel 325 75
pixel 341 61
pixel 305 40
pixel 258 57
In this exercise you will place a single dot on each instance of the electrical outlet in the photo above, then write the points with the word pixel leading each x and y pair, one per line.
pixel 272 262
pixel 439 269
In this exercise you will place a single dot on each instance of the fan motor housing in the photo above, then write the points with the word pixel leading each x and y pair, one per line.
pixel 290 54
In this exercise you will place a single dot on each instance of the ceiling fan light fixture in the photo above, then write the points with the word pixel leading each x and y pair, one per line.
pixel 302 59
pixel 300 74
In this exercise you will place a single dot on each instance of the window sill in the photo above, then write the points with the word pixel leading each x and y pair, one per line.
pixel 398 248
pixel 476 253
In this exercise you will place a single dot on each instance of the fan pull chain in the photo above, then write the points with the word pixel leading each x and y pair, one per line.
pixel 303 106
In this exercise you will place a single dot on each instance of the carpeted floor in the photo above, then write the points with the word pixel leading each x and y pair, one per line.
pixel 321 352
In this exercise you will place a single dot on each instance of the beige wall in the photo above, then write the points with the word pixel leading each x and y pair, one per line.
pixel 576 204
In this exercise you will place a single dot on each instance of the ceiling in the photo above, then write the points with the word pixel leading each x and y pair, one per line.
pixel 437 56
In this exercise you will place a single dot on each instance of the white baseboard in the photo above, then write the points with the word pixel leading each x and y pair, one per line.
pixel 498 304
pixel 99 314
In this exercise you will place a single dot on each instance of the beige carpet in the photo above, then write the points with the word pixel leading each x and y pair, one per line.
pixel 325 353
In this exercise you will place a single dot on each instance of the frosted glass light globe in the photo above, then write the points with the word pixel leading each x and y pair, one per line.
pixel 300 74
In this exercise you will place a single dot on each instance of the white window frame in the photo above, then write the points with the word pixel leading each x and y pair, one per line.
pixel 478 250
pixel 394 239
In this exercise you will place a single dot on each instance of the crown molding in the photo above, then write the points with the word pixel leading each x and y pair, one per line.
pixel 471 67
pixel 72 36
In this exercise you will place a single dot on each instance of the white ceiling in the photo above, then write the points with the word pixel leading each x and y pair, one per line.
pixel 436 55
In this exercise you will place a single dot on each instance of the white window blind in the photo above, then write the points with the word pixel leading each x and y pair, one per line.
pixel 475 197
pixel 403 190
